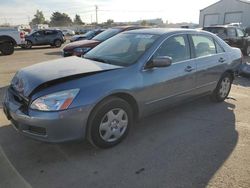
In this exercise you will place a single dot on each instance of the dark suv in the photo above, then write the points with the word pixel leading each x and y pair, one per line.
pixel 234 36
pixel 45 37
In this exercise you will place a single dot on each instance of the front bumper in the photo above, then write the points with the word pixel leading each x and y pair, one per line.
pixel 46 126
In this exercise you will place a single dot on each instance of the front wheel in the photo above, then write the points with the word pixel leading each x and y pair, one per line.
pixel 223 88
pixel 109 123
pixel 28 45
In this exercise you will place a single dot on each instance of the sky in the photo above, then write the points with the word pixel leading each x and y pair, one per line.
pixel 174 11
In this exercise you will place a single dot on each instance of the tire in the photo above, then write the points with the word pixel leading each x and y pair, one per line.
pixel 223 88
pixel 57 43
pixel 109 123
pixel 7 48
pixel 28 45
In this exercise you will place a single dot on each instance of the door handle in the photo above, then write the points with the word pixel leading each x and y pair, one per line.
pixel 189 69
pixel 221 60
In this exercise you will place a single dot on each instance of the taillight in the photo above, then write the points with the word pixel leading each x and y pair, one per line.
pixel 22 35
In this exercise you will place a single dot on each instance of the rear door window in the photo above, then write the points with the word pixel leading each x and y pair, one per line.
pixel 50 32
pixel 203 45
pixel 231 32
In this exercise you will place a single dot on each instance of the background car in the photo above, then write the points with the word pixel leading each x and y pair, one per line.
pixel 127 77
pixel 87 36
pixel 79 48
pixel 68 32
pixel 9 38
pixel 54 38
pixel 234 36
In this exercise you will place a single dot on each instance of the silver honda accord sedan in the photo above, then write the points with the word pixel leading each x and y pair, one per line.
pixel 127 77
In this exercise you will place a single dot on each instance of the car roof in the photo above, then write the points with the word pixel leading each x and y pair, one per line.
pixel 222 26
pixel 126 27
pixel 163 31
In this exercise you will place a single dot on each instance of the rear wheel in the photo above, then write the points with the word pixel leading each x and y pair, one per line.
pixel 109 123
pixel 223 88
pixel 7 48
pixel 58 43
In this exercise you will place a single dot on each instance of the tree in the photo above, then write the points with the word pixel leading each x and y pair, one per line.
pixel 78 20
pixel 110 22
pixel 60 19
pixel 38 18
pixel 144 22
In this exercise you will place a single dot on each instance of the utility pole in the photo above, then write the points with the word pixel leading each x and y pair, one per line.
pixel 96 17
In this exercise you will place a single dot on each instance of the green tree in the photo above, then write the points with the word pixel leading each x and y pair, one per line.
pixel 38 18
pixel 144 22
pixel 78 20
pixel 60 19
pixel 110 22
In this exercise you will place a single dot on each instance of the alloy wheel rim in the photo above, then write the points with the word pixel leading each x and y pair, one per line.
pixel 28 44
pixel 225 87
pixel 113 125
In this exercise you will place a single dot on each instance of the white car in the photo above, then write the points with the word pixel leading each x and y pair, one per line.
pixel 68 32
pixel 9 38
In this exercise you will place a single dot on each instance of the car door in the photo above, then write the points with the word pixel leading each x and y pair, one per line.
pixel 240 38
pixel 38 37
pixel 210 60
pixel 49 36
pixel 232 37
pixel 171 84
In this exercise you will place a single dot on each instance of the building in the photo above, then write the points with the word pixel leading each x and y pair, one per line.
pixel 225 12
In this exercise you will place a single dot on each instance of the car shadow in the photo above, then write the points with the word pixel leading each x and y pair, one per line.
pixel 180 147
pixel 242 81
pixel 34 48
pixel 59 53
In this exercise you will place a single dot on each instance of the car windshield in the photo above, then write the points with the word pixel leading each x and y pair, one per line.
pixel 89 33
pixel 107 34
pixel 123 49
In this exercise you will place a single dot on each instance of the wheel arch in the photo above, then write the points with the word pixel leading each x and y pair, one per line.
pixel 122 95
pixel 6 38
pixel 231 72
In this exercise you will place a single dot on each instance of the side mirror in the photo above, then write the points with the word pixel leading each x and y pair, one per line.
pixel 160 61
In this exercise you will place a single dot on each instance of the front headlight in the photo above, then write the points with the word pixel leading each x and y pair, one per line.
pixel 81 50
pixel 55 101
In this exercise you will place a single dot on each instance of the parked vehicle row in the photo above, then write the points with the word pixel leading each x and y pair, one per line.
pixel 233 35
pixel 126 77
pixel 87 36
pixel 9 38
pixel 79 48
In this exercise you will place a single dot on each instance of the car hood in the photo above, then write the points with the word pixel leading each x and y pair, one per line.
pixel 51 72
pixel 77 36
pixel 81 43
